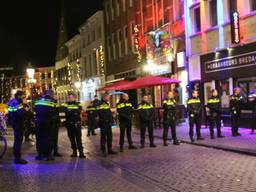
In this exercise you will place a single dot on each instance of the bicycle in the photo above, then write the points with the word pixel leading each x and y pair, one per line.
pixel 3 141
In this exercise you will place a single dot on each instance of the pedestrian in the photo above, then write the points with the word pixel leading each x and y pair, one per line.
pixel 214 106
pixel 91 112
pixel 73 123
pixel 170 117
pixel 45 108
pixel 17 115
pixel 146 116
pixel 56 125
pixel 236 102
pixel 105 122
pixel 194 107
pixel 125 111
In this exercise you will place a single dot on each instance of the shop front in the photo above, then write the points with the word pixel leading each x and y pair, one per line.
pixel 227 69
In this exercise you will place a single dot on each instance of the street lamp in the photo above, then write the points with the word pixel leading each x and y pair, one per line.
pixel 31 81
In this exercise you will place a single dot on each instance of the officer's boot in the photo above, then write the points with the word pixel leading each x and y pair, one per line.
pixel 81 154
pixel 74 154
pixel 165 143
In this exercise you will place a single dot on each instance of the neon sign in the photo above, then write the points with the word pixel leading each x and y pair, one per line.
pixel 235 27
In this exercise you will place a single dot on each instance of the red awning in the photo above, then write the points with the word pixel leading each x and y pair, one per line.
pixel 148 81
pixel 114 86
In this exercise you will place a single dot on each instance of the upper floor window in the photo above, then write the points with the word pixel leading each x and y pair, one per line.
pixel 213 13
pixel 124 5
pixel 131 3
pixel 113 9
pixel 253 5
pixel 197 20
pixel 117 8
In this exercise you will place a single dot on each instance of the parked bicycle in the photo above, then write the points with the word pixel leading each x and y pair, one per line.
pixel 3 141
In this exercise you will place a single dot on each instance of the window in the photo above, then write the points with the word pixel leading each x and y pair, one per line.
pixel 119 43
pixel 117 8
pixel 93 35
pixel 213 13
pixel 125 39
pixel 197 20
pixel 131 3
pixel 253 5
pixel 113 9
pixel 124 5
pixel 109 49
pixel 107 13
pixel 114 45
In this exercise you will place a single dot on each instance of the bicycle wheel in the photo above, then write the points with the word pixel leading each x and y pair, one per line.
pixel 3 146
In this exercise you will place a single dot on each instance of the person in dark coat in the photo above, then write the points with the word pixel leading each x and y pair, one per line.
pixel 17 115
pixel 91 112
pixel 146 116
pixel 125 111
pixel 252 100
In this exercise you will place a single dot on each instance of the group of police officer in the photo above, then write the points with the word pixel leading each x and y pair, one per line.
pixel 99 114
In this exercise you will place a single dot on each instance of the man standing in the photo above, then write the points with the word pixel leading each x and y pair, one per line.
pixel 194 106
pixel 170 118
pixel 73 123
pixel 125 111
pixel 91 112
pixel 236 102
pixel 252 100
pixel 17 115
pixel 105 122
pixel 146 115
pixel 45 108
pixel 214 106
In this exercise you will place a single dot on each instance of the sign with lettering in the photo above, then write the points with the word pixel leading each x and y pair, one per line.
pixel 235 62
pixel 235 27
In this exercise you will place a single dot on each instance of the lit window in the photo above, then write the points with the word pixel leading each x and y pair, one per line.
pixel 124 5
pixel 117 8
pixel 213 13
pixel 131 3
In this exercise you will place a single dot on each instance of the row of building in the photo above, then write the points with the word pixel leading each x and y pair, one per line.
pixel 203 43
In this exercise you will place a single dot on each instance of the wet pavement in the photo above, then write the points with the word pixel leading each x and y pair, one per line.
pixel 184 168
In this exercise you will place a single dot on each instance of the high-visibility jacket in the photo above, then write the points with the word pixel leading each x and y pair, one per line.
pixel 169 106
pixel 145 111
pixel 73 111
pixel 104 112
pixel 125 110
pixel 45 108
pixel 194 106
pixel 214 105
pixel 16 112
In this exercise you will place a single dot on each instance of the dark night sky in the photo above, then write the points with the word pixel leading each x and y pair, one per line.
pixel 29 29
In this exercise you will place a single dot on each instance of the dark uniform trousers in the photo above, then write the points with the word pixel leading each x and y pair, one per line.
pixel 106 135
pixel 234 123
pixel 92 125
pixel 44 137
pixel 75 135
pixel 125 126
pixel 143 126
pixel 55 137
pixel 169 123
pixel 194 120
pixel 18 139
pixel 215 119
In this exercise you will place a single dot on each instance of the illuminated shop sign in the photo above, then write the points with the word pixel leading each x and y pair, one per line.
pixel 235 28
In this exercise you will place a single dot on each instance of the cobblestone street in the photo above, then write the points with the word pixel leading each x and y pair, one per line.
pixel 184 168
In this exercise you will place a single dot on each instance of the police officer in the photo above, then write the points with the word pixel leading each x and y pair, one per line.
pixel 170 118
pixel 17 115
pixel 236 102
pixel 45 108
pixel 125 111
pixel 73 124
pixel 91 112
pixel 252 100
pixel 56 124
pixel 194 106
pixel 105 122
pixel 146 115
pixel 214 106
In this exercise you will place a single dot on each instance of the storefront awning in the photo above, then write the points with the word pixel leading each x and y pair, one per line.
pixel 115 86
pixel 147 81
